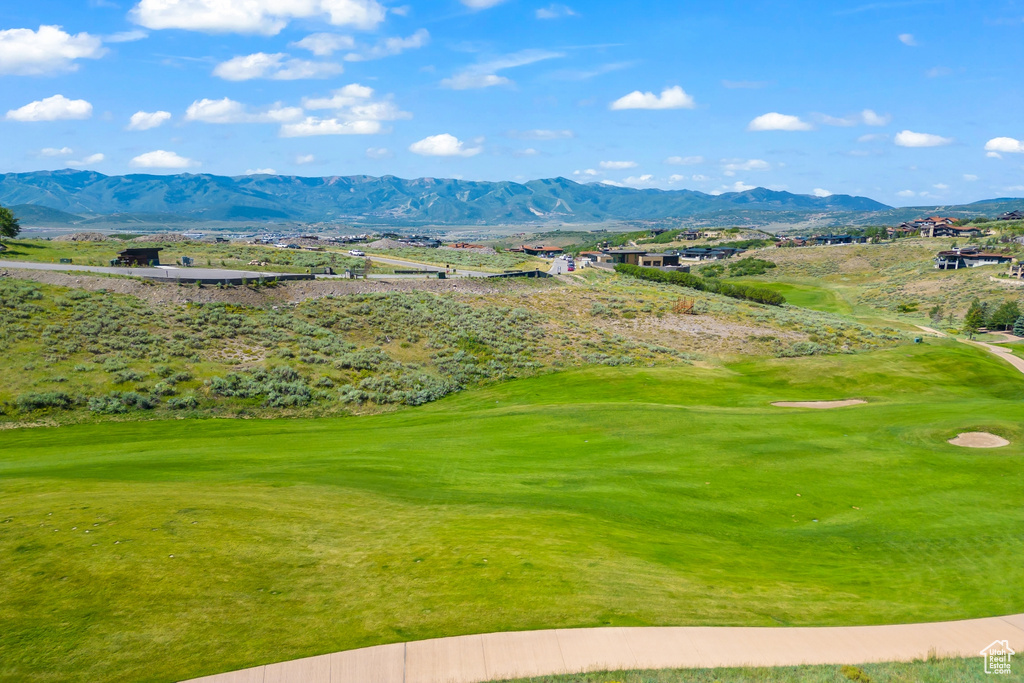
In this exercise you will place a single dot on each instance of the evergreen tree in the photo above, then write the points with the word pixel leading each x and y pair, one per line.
pixel 1004 317
pixel 1018 327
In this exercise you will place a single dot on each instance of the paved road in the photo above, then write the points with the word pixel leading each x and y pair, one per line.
pixel 498 656
pixel 415 265
pixel 169 273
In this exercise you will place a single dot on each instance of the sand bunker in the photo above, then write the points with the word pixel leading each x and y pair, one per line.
pixel 979 440
pixel 820 405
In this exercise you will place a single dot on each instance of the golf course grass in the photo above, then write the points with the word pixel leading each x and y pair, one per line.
pixel 163 550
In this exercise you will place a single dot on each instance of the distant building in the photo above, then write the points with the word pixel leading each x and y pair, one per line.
pixel 1012 216
pixel 709 253
pixel 691 235
pixel 951 231
pixel 149 256
pixel 970 257
pixel 830 240
pixel 543 252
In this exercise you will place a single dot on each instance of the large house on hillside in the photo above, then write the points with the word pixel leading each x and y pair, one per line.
pixel 970 257
pixel 829 240
pixel 1012 216
pixel 951 231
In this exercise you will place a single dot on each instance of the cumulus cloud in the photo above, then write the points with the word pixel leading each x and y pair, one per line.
pixel 88 161
pixel 670 98
pixel 636 181
pixel 970 177
pixel 303 159
pixel 589 172
pixel 617 165
pixel 230 111
pixel 388 47
pixel 162 159
pixel 541 134
pixel 126 37
pixel 267 17
pixel 908 138
pixel 260 171
pixel 356 112
pixel 867 118
pixel 734 165
pixel 907 39
pixel 1008 145
pixel 777 121
pixel 56 108
pixel 378 153
pixel 906 193
pixel 275 67
pixel 324 44
pixel 740 186
pixel 443 145
pixel 314 125
pixel 50 50
pixel 56 152
pixel 685 161
pixel 555 11
pixel 485 74
pixel 818 192
pixel 145 120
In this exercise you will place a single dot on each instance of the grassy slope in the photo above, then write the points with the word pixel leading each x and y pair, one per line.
pixel 603 496
pixel 941 671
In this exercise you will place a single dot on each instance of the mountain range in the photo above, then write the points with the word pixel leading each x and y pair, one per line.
pixel 71 197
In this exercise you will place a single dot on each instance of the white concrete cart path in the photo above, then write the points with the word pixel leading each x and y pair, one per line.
pixel 500 656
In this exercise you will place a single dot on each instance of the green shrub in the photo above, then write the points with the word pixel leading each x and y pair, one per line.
pixel 116 403
pixel 51 399
pixel 749 266
pixel 189 402
pixel 126 376
pixel 760 295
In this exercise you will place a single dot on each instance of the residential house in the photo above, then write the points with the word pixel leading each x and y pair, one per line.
pixel 1012 216
pixel 630 256
pixel 831 240
pixel 691 235
pixel 1017 271
pixel 901 232
pixel 969 257
pixel 951 231
pixel 709 253
pixel 659 260
pixel 543 252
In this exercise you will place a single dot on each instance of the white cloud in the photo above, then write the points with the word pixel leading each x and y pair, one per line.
pixel 733 165
pixel 872 137
pixel 941 186
pixel 313 125
pixel 443 145
pixel 325 44
pixel 907 39
pixel 969 177
pixel 1015 188
pixel 818 192
pixel 126 37
pixel 87 161
pixel 1007 145
pixel 685 161
pixel 589 172
pixel 230 111
pixel 304 159
pixel 485 74
pixel 145 120
pixel 906 193
pixel 379 153
pixel 356 112
pixel 56 108
pixel 275 67
pixel 267 17
pixel 617 165
pixel 260 171
pixel 870 118
pixel 670 98
pixel 555 11
pixel 776 121
pixel 676 178
pixel 55 152
pixel 740 186
pixel 528 152
pixel 162 159
pixel 909 138
pixel 635 181
pixel 541 134
pixel 994 155
pixel 24 52
pixel 481 4
pixel 613 183
pixel 388 47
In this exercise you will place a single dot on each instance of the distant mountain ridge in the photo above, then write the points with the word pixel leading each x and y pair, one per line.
pixel 391 200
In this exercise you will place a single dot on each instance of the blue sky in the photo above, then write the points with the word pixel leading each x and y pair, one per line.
pixel 909 102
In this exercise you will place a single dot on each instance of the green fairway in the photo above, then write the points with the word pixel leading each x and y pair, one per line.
pixel 805 295
pixel 157 551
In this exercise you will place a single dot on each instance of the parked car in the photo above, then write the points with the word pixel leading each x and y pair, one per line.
pixel 356 252
pixel 571 267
